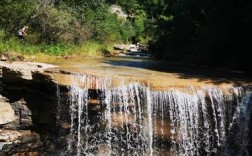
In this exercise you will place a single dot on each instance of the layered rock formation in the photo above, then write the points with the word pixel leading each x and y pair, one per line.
pixel 6 113
pixel 39 107
pixel 26 125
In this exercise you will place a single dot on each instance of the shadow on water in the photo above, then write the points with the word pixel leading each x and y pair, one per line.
pixel 185 70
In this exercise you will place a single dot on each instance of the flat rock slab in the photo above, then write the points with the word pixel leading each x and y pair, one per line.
pixel 22 69
pixel 26 65
pixel 7 114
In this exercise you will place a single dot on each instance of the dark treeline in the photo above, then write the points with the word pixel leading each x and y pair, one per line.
pixel 209 32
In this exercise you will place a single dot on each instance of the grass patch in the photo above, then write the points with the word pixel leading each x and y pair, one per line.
pixel 29 50
pixel 93 49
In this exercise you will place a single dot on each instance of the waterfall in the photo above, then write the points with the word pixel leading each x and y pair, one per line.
pixel 131 119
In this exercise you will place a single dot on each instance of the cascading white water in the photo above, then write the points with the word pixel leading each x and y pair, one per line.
pixel 200 122
pixel 133 120
pixel 239 126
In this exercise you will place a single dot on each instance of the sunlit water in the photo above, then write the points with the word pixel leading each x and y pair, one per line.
pixel 133 120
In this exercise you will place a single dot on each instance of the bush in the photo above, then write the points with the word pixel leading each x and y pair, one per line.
pixel 107 27
pixel 93 48
pixel 103 24
pixel 15 14
pixel 54 24
pixel 2 35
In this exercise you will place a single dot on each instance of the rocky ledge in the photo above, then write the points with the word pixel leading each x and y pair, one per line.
pixel 26 125
pixel 29 102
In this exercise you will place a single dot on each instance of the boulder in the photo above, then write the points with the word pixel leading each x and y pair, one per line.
pixel 7 114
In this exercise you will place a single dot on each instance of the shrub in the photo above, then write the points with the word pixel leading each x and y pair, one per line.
pixel 2 35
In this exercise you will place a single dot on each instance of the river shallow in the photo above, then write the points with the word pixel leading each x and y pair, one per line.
pixel 159 75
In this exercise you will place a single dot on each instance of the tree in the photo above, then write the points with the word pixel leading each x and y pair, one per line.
pixel 15 14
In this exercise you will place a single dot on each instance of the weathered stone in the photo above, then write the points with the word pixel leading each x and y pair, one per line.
pixel 3 58
pixel 3 99
pixel 17 71
pixel 9 136
pixel 22 115
pixel 6 113
pixel 26 154
pixel 124 47
pixel 22 142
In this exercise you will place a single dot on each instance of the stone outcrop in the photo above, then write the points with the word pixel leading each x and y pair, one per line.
pixel 18 135
pixel 6 113
pixel 22 142
pixel 9 136
pixel 18 71
pixel 26 125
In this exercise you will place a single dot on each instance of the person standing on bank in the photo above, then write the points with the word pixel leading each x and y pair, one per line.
pixel 22 33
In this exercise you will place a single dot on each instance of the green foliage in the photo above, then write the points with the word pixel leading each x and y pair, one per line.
pixel 15 14
pixel 128 5
pixel 2 35
pixel 127 31
pixel 55 49
pixel 54 24
pixel 92 48
pixel 105 25
pixel 74 21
